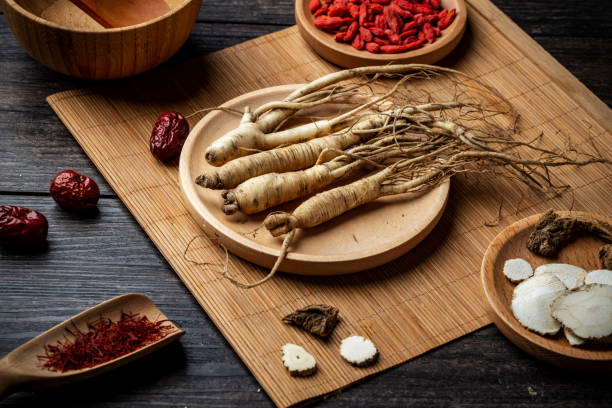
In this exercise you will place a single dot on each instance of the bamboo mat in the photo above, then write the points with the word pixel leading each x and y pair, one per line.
pixel 422 300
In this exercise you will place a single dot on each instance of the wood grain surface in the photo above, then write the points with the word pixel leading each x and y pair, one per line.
pixel 95 258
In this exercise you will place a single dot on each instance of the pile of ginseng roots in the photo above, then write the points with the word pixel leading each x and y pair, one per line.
pixel 391 136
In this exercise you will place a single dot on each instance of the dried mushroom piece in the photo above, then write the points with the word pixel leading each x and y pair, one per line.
pixel 587 312
pixel 358 351
pixel 517 269
pixel 316 319
pixel 603 276
pixel 531 302
pixel 572 276
pixel 553 231
pixel 298 361
pixel 605 256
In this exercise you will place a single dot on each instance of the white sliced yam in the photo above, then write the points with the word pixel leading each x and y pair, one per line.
pixel 517 269
pixel 298 361
pixel 603 276
pixel 587 312
pixel 531 302
pixel 572 338
pixel 572 276
pixel 358 350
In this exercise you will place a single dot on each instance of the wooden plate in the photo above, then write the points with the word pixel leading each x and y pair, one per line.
pixel 346 56
pixel 360 239
pixel 511 243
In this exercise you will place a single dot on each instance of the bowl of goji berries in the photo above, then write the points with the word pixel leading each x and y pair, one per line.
pixel 353 33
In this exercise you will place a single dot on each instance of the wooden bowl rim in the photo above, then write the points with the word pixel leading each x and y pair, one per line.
pixel 18 8
pixel 305 21
pixel 488 284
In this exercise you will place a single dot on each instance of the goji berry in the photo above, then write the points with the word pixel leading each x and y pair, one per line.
pixel 376 8
pixel 329 23
pixel 365 34
pixel 429 33
pixel 322 10
pixel 314 5
pixel 408 33
pixel 415 44
pixel 378 32
pixel 373 47
pixel 338 11
pixel 339 37
pixel 392 49
pixel 363 13
pixel 358 43
pixel 447 19
pixel 351 32
pixel 381 41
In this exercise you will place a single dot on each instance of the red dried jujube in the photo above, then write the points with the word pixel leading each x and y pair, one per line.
pixel 74 191
pixel 168 137
pixel 22 227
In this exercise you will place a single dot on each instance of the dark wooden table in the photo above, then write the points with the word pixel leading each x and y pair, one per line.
pixel 92 259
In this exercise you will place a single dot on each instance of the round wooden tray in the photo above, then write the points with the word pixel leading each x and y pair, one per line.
pixel 346 56
pixel 511 243
pixel 360 239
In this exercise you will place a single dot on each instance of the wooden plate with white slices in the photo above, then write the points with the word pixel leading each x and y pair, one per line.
pixel 360 239
pixel 512 243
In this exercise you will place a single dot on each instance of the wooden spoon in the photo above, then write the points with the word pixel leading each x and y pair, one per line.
pixel 122 13
pixel 20 369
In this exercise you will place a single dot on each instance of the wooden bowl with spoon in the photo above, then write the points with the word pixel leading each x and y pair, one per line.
pixel 101 39
pixel 21 369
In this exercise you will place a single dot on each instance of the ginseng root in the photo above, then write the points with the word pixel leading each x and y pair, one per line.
pixel 421 172
pixel 252 133
pixel 289 158
pixel 269 190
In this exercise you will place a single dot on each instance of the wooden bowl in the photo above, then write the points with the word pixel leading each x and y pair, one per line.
pixel 360 239
pixel 346 56
pixel 62 37
pixel 511 243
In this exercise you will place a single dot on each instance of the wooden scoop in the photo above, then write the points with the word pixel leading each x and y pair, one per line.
pixel 21 370
pixel 122 13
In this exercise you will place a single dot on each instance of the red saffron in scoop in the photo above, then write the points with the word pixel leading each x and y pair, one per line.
pixel 104 341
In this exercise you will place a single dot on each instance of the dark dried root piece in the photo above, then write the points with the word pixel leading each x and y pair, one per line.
pixel 553 231
pixel 605 256
pixel 316 319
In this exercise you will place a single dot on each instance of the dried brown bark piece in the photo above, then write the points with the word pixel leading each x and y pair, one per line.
pixel 605 256
pixel 553 231
pixel 316 319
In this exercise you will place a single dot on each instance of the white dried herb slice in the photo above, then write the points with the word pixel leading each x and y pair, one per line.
pixel 517 269
pixel 358 351
pixel 531 302
pixel 587 311
pixel 572 276
pixel 298 361
pixel 572 338
pixel 603 276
